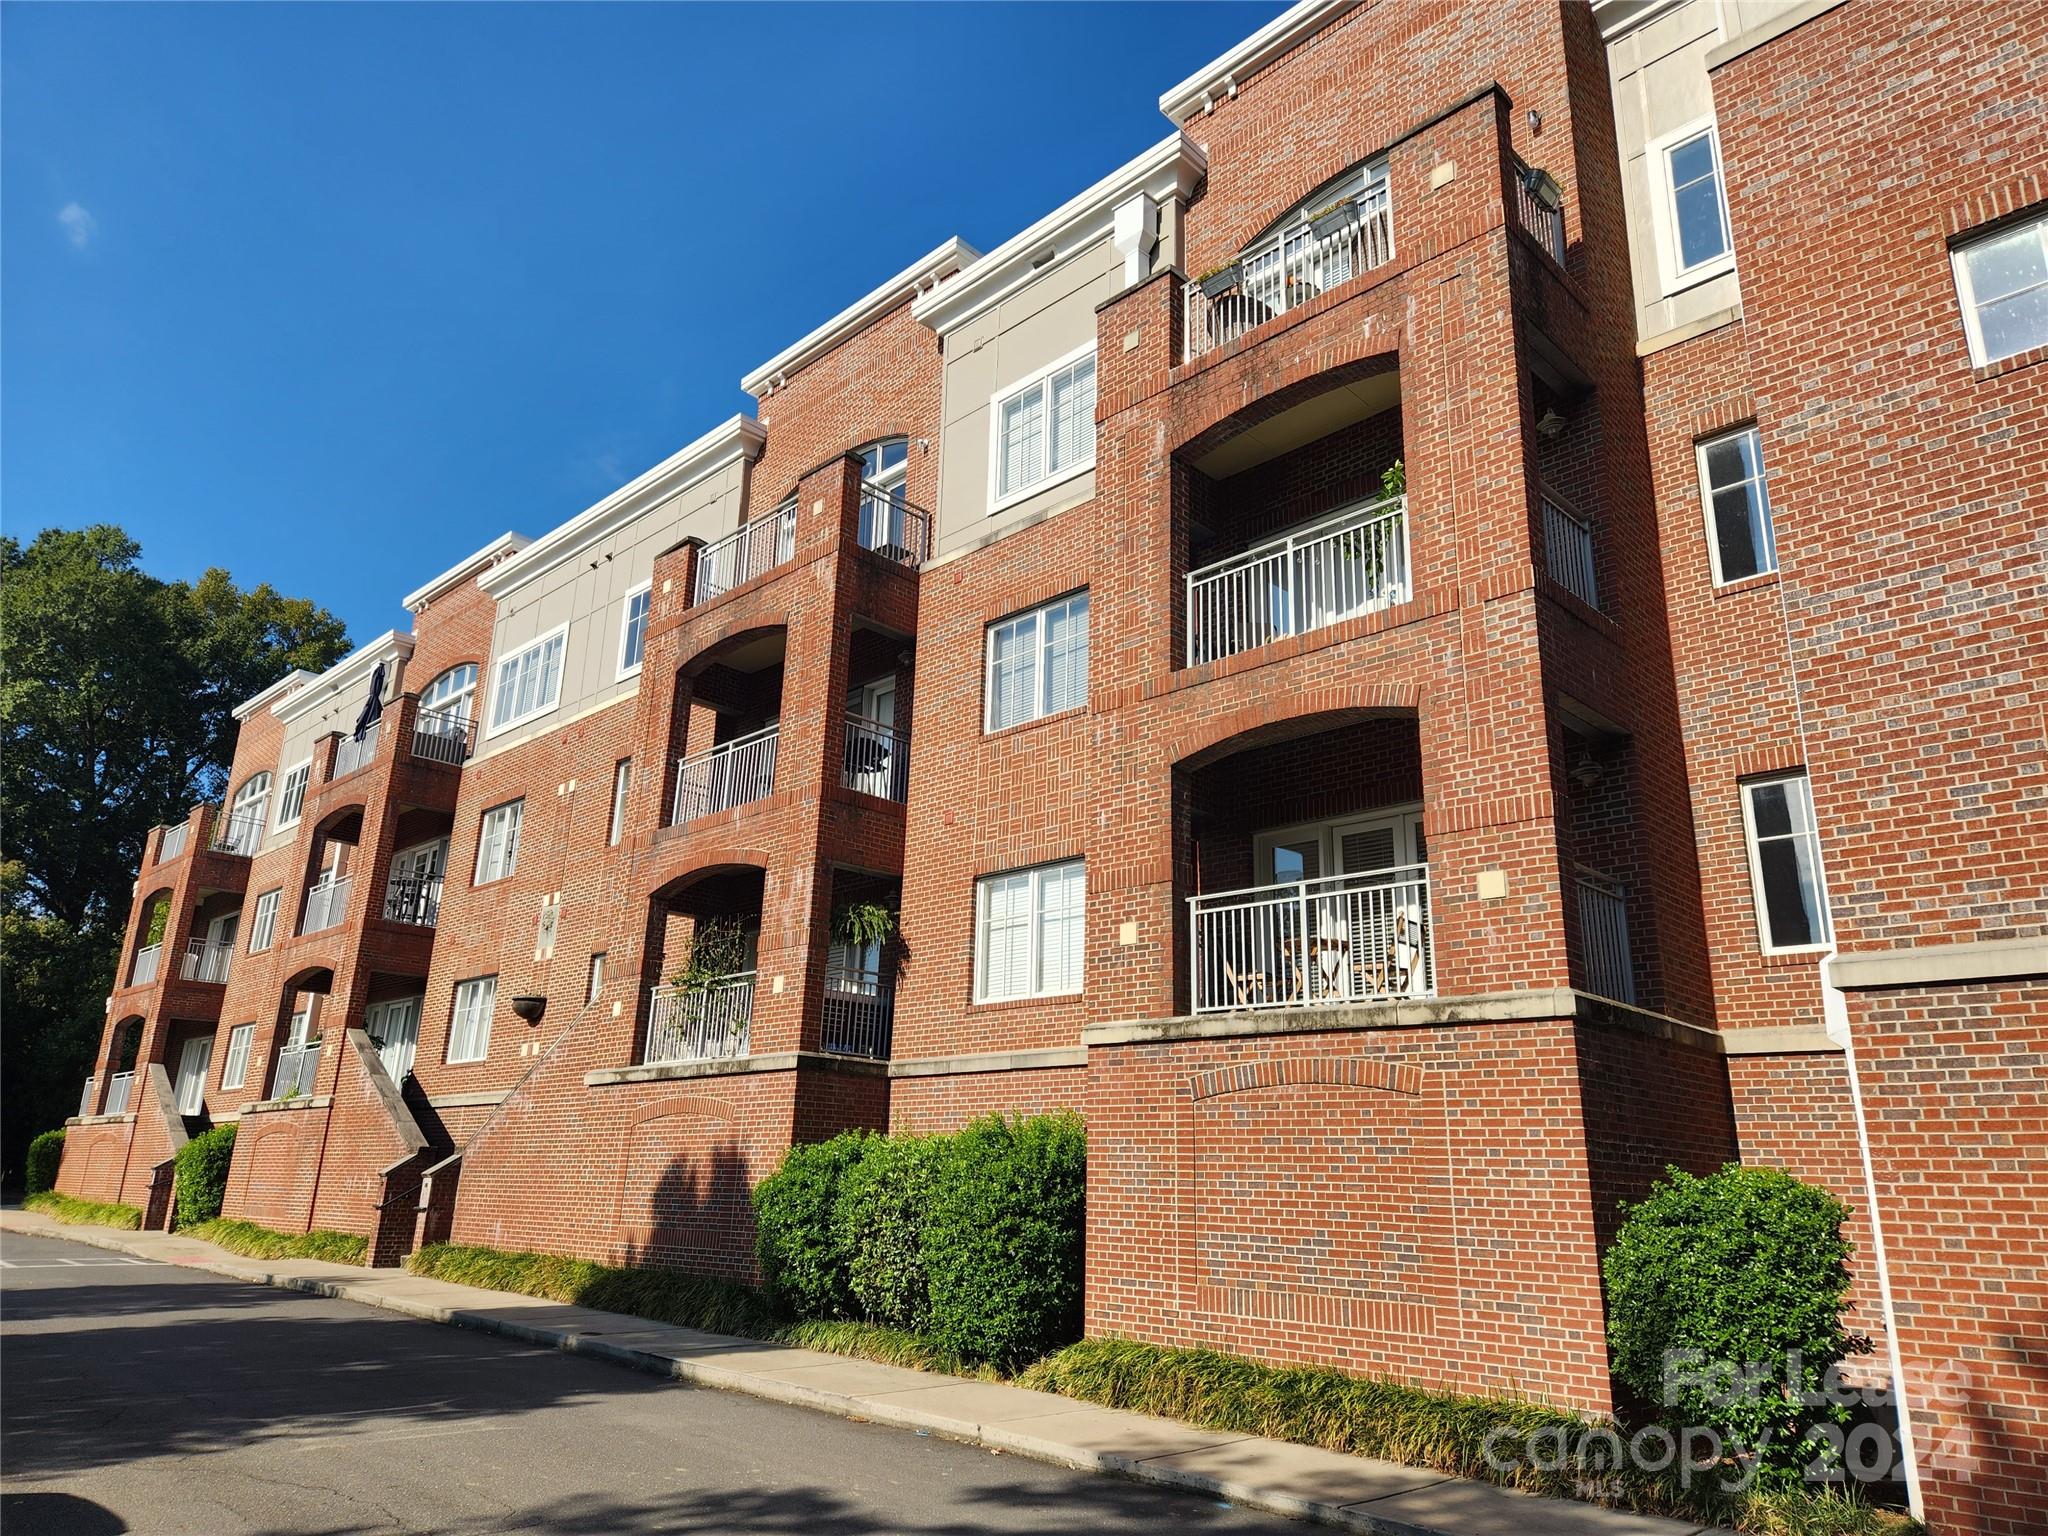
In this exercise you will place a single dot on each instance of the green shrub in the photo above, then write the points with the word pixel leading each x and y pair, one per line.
pixel 1744 1270
pixel 202 1175
pixel 1002 1238
pixel 84 1213
pixel 878 1221
pixel 664 1296
pixel 803 1267
pixel 45 1155
pixel 254 1242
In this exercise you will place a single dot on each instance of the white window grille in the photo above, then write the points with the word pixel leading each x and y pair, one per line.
pixel 469 1032
pixel 497 847
pixel 1739 535
pixel 1043 429
pixel 1028 932
pixel 529 681
pixel 2002 279
pixel 1037 663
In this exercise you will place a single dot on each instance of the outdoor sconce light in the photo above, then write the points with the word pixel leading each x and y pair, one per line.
pixel 530 1008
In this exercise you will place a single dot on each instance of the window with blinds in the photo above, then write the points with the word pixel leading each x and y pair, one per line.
pixel 529 681
pixel 1037 663
pixel 234 1073
pixel 469 1031
pixel 1044 429
pixel 497 846
pixel 1029 932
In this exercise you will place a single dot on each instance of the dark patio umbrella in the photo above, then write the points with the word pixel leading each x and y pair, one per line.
pixel 373 707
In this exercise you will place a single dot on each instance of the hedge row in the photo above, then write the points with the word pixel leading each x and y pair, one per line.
pixel 83 1213
pixel 254 1242
pixel 45 1154
pixel 972 1242
pixel 663 1296
pixel 202 1175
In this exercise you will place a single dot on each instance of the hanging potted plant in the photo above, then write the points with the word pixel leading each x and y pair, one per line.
pixel 1220 280
pixel 1333 219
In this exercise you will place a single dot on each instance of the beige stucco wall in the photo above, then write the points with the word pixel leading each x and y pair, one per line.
pixel 1659 75
pixel 587 592
pixel 327 710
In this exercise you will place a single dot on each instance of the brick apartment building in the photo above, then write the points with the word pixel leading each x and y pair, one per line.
pixel 1465 627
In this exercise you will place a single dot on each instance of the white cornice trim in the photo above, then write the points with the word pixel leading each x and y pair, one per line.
pixel 922 275
pixel 353 668
pixel 1221 77
pixel 1171 168
pixel 504 545
pixel 256 701
pixel 1616 17
pixel 741 437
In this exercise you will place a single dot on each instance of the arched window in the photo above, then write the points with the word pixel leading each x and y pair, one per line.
pixel 247 814
pixel 452 692
pixel 887 522
pixel 443 731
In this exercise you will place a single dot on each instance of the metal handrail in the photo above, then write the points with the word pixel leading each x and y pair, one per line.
pixel 147 961
pixel 1356 937
pixel 443 736
pixel 1349 563
pixel 208 960
pixel 240 832
pixel 408 899
pixel 877 759
pixel 748 551
pixel 859 1013
pixel 1288 269
pixel 326 904
pixel 893 528
pixel 351 753
pixel 732 773
pixel 119 1087
pixel 710 1023
pixel 298 1069
pixel 172 841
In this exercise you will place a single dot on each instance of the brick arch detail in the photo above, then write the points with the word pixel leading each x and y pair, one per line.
pixel 1192 744
pixel 1347 1071
pixel 676 1106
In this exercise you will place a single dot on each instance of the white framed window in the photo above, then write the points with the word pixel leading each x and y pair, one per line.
pixel 1740 540
pixel 1693 236
pixel 394 1028
pixel 452 693
pixel 633 627
pixel 529 681
pixel 1042 431
pixel 234 1072
pixel 469 1028
pixel 2002 280
pixel 291 799
pixel 595 985
pixel 1037 663
pixel 497 844
pixel 263 925
pixel 1784 863
pixel 1028 932
pixel 247 816
pixel 622 785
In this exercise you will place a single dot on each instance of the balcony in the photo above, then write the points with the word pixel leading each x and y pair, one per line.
pixel 1539 208
pixel 708 1023
pixel 1286 270
pixel 298 1068
pixel 877 759
pixel 326 905
pixel 440 736
pixel 208 961
pixel 147 959
pixel 727 775
pixel 1568 552
pixel 173 841
pixel 119 1087
pixel 893 528
pixel 1338 569
pixel 240 833
pixel 1605 965
pixel 413 901
pixel 85 1098
pixel 1350 938
pixel 860 1009
pixel 351 752
pixel 746 552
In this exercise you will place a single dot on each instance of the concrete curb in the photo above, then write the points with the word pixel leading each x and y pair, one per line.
pixel 1489 1511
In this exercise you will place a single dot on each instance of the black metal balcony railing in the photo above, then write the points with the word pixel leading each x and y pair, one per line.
pixel 441 736
pixel 240 832
pixel 413 901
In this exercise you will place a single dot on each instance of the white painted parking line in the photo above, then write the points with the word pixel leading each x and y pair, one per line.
pixel 77 1263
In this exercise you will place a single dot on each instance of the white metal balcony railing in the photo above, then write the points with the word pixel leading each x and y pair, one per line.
pixel 1356 937
pixel 173 841
pixel 1538 210
pixel 85 1098
pixel 726 776
pixel 298 1068
pixel 442 736
pixel 1605 962
pixel 326 905
pixel 745 553
pixel 147 959
pixel 860 1009
pixel 118 1088
pixel 239 833
pixel 1344 566
pixel 1568 552
pixel 208 961
pixel 1286 271
pixel 413 901
pixel 877 759
pixel 351 753
pixel 701 1023
pixel 893 528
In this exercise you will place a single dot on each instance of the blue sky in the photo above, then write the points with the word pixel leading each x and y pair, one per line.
pixel 331 295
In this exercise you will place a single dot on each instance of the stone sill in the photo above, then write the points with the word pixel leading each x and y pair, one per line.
pixel 1936 964
pixel 731 1066
pixel 99 1119
pixel 991 1061
pixel 278 1106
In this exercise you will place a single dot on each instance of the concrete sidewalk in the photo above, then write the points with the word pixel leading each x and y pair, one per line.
pixel 1326 1486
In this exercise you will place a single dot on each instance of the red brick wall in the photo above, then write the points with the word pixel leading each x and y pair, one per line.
pixel 918 1105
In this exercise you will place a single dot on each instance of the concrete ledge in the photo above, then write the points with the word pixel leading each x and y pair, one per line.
pixel 468 1100
pixel 733 1066
pixel 1778 1040
pixel 279 1106
pixel 1649 346
pixel 1353 1493
pixel 1766 31
pixel 1919 965
pixel 99 1119
pixel 990 1061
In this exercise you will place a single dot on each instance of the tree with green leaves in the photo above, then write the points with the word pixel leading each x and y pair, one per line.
pixel 117 693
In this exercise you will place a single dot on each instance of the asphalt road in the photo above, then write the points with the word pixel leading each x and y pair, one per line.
pixel 153 1398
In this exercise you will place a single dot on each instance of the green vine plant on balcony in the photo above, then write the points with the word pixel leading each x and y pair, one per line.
pixel 861 923
pixel 718 949
pixel 1358 545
